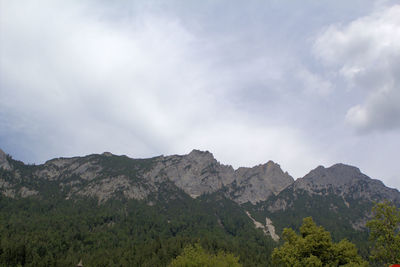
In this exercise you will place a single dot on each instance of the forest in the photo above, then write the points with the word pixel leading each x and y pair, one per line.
pixel 38 232
pixel 62 232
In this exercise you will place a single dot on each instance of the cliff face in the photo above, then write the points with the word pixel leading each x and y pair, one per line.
pixel 196 173
pixel 259 183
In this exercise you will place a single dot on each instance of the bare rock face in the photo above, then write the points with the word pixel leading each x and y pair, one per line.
pixel 106 188
pixel 199 172
pixel 268 228
pixel 4 162
pixel 344 180
pixel 196 173
pixel 61 168
pixel 259 183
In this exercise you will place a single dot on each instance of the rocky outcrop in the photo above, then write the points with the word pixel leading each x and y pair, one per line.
pixel 259 183
pixel 86 168
pixel 196 173
pixel 3 161
pixel 108 187
pixel 199 172
pixel 268 228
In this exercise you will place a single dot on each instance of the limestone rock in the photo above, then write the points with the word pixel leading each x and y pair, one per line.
pixel 259 183
pixel 196 173
pixel 4 162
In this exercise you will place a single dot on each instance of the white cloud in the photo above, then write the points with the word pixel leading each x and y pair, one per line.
pixel 366 53
pixel 80 77
pixel 77 83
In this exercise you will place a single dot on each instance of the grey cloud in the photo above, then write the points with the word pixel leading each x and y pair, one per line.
pixel 153 77
pixel 366 54
pixel 82 84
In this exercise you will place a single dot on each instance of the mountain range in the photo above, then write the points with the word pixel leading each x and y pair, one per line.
pixel 339 197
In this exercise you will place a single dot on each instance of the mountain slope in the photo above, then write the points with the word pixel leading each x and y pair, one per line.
pixel 171 200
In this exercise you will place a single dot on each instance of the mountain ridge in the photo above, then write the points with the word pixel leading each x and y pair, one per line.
pixel 196 173
pixel 190 194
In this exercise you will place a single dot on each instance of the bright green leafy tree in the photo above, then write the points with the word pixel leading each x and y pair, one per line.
pixel 314 247
pixel 196 256
pixel 385 234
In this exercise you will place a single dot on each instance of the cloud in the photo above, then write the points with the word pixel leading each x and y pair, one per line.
pixel 313 83
pixel 74 81
pixel 366 54
pixel 76 76
pixel 146 79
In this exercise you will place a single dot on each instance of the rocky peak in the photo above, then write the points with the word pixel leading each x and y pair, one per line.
pixel 272 170
pixel 3 161
pixel 195 173
pixel 200 156
pixel 338 174
pixel 260 182
pixel 346 181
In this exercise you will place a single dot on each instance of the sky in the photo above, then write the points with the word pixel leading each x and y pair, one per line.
pixel 302 83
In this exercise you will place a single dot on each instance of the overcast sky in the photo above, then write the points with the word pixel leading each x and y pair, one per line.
pixel 302 83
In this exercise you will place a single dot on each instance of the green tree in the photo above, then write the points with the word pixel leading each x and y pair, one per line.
pixel 196 256
pixel 385 234
pixel 314 247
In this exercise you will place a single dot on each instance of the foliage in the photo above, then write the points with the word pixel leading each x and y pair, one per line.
pixel 385 234
pixel 59 232
pixel 196 256
pixel 314 247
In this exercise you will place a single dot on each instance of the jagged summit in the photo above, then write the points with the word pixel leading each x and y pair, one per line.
pixel 200 153
pixel 200 156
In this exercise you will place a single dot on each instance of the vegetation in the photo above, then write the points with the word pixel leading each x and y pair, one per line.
pixel 314 247
pixel 171 228
pixel 385 234
pixel 58 232
pixel 326 209
pixel 196 256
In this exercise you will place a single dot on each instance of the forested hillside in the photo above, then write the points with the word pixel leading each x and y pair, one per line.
pixel 109 210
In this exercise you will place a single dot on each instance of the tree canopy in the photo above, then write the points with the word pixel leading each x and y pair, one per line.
pixel 196 256
pixel 314 247
pixel 385 234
